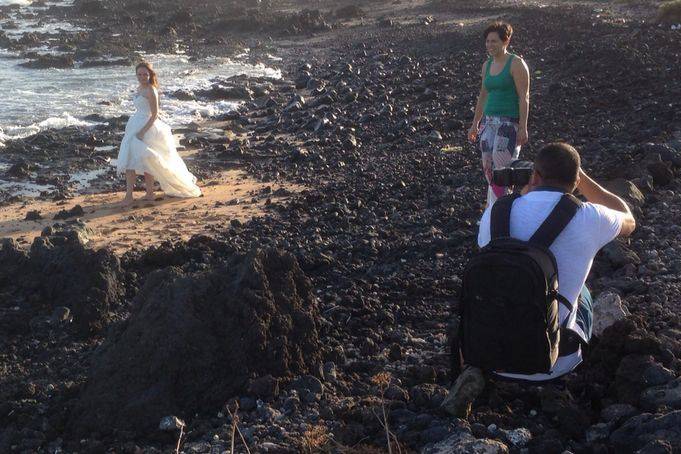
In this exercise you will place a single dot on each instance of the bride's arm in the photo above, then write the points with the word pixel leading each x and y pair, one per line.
pixel 152 98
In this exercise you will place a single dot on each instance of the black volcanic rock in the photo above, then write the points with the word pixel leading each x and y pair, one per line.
pixel 382 222
pixel 105 62
pixel 77 210
pixel 59 270
pixel 21 169
pixel 194 340
pixel 50 61
pixel 33 215
pixel 661 172
pixel 643 429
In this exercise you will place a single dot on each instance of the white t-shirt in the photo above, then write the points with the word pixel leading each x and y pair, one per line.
pixel 592 227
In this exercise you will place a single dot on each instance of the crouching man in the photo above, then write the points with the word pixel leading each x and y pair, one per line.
pixel 525 312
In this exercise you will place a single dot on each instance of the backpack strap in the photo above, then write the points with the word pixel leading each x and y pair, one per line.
pixel 500 222
pixel 564 302
pixel 556 221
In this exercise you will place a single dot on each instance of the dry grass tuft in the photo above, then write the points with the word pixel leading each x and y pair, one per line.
pixel 315 439
pixel 234 415
pixel 381 379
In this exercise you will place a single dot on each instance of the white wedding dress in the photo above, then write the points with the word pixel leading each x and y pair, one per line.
pixel 155 154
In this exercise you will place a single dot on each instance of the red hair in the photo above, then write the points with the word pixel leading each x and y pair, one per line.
pixel 153 80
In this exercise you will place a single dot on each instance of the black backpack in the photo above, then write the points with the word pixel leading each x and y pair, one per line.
pixel 509 299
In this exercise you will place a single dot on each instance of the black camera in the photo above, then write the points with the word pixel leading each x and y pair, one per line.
pixel 516 174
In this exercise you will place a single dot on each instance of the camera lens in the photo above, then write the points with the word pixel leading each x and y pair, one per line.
pixel 521 176
pixel 503 177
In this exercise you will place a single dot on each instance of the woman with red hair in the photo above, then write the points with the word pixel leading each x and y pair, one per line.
pixel 148 147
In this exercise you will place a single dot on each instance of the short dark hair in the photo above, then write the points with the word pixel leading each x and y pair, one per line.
pixel 558 163
pixel 503 29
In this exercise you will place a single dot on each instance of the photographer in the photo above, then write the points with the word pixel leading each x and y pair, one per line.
pixel 586 229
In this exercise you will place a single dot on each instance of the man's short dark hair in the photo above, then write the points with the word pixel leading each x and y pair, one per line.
pixel 503 29
pixel 558 163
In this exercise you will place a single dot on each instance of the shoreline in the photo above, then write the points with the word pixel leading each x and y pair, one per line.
pixel 355 272
pixel 227 197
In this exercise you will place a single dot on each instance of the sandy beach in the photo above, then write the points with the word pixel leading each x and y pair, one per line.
pixel 231 196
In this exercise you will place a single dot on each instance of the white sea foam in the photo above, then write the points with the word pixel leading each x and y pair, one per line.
pixel 62 121
pixel 5 53
pixel 105 148
pixel 82 180
pixel 108 91
pixel 24 188
pixel 30 26
pixel 47 50
pixel 15 2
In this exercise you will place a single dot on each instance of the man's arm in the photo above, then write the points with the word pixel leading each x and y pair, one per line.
pixel 595 193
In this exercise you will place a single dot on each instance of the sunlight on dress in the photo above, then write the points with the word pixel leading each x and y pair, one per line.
pixel 156 154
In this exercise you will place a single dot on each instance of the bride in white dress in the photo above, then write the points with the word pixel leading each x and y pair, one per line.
pixel 148 147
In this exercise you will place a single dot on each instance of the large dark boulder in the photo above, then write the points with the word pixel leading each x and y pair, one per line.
pixel 105 62
pixel 627 190
pixel 218 92
pixel 667 153
pixel 643 429
pixel 194 340
pixel 50 61
pixel 637 372
pixel 59 270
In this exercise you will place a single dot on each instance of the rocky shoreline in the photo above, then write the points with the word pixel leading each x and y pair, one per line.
pixel 337 303
pixel 105 33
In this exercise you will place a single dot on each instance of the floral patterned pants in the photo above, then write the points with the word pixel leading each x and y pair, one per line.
pixel 498 138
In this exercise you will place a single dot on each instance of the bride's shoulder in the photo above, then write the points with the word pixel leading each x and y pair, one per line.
pixel 148 92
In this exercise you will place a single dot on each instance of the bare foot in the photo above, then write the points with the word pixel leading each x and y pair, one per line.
pixel 127 201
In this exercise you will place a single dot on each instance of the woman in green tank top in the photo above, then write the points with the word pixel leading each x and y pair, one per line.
pixel 500 120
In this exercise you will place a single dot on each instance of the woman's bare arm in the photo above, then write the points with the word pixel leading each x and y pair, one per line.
pixel 521 79
pixel 479 107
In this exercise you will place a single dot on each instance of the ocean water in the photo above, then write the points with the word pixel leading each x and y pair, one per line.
pixel 15 2
pixel 54 98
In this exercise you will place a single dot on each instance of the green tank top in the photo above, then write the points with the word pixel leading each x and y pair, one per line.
pixel 502 98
